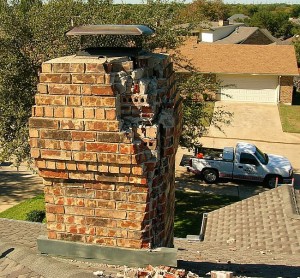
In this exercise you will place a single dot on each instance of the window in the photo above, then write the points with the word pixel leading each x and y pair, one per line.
pixel 247 158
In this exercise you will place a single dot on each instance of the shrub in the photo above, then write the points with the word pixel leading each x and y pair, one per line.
pixel 35 216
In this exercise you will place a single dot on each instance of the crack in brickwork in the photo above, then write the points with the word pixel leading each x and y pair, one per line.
pixel 104 134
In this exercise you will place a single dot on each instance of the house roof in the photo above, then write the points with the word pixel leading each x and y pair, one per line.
pixel 239 58
pixel 259 221
pixel 238 36
pixel 236 17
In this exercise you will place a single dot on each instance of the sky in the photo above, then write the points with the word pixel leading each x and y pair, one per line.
pixel 225 1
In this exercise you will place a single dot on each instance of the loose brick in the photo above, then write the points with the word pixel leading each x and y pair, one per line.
pixel 55 78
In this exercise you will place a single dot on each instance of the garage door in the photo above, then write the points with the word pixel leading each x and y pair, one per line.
pixel 249 88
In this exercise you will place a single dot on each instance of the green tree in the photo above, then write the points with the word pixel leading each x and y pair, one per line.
pixel 32 32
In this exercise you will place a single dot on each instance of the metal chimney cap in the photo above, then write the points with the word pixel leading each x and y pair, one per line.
pixel 129 30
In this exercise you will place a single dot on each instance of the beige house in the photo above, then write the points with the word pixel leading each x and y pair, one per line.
pixel 250 73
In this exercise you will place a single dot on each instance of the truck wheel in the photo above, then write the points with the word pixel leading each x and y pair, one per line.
pixel 271 181
pixel 210 175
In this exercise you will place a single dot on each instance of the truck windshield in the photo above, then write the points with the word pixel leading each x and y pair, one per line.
pixel 262 157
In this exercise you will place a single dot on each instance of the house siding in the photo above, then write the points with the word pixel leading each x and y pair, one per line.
pixel 257 38
pixel 286 89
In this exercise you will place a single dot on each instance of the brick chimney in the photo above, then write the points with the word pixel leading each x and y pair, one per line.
pixel 104 133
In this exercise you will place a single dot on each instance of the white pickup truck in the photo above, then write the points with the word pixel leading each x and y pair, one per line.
pixel 246 162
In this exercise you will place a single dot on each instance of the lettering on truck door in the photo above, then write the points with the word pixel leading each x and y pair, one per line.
pixel 247 168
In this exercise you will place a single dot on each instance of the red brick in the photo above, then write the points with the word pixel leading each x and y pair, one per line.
pixel 129 243
pixel 89 113
pixel 73 100
pixel 51 165
pixel 96 221
pixel 83 136
pixel 132 206
pixel 58 112
pixel 110 114
pixel 71 166
pixel 81 176
pixel 129 224
pixel 99 101
pixel 42 88
pixel 127 148
pixel 72 146
pixel 54 209
pixel 137 170
pixel 33 133
pixel 85 156
pixel 102 125
pixel 79 211
pixel 56 134
pixel 114 214
pixel 46 67
pixel 60 165
pixel 35 153
pixel 87 78
pixel 49 100
pixel 106 241
pixel 55 78
pixel 38 111
pixel 48 111
pixel 64 89
pixel 56 154
pixel 78 112
pixel 43 123
pixel 138 198
pixel 56 226
pixel 100 114
pixel 102 90
pixel 53 174
pixel 71 124
pixel 40 163
pixel 81 167
pixel 125 170
pixel 94 67
pixel 52 234
pixel 102 147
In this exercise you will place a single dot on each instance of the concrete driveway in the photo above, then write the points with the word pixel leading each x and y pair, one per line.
pixel 259 124
pixel 17 186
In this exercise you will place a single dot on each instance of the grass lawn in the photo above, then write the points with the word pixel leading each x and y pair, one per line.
pixel 290 115
pixel 20 211
pixel 290 118
pixel 188 209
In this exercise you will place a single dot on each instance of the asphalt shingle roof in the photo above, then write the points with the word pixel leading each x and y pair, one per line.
pixel 240 58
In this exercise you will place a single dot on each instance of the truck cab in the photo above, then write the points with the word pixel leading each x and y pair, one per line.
pixel 245 162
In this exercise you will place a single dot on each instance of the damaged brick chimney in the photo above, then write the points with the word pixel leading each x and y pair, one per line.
pixel 104 133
